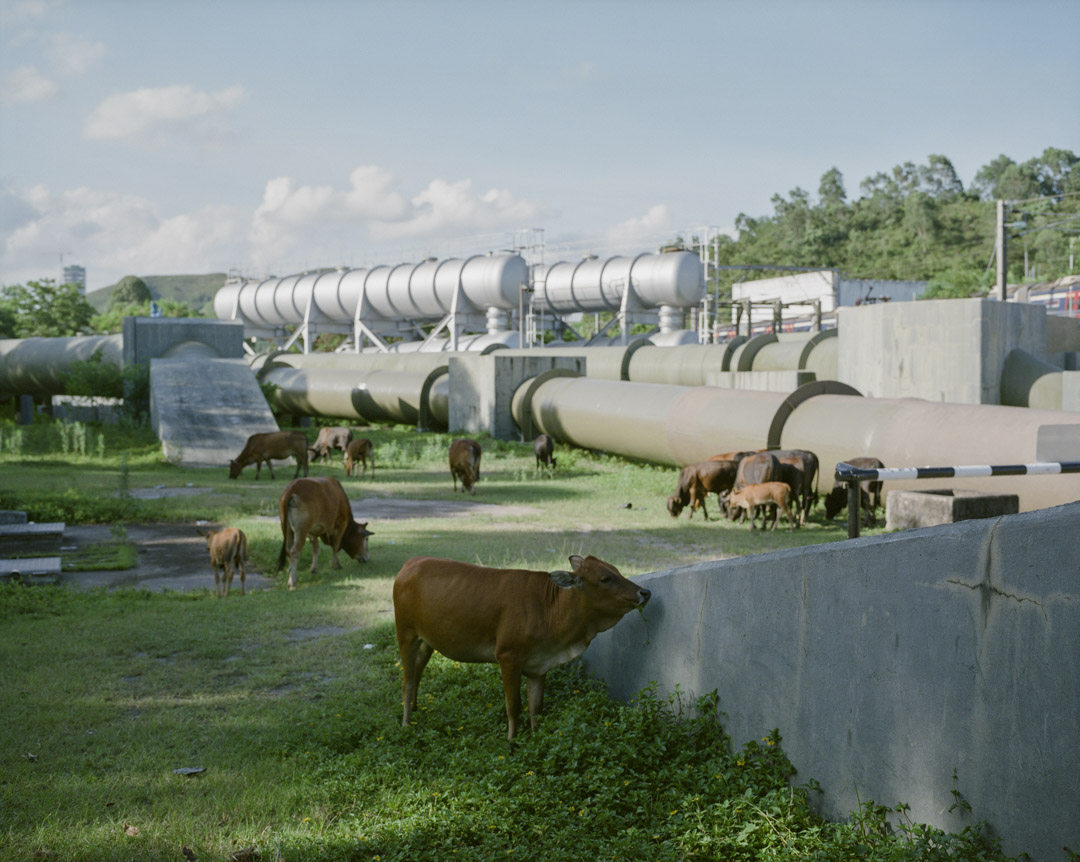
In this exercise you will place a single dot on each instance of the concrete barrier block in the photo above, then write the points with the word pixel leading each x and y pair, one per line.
pixel 907 510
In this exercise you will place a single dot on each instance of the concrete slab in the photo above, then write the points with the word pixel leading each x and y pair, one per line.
pixel 908 510
pixel 205 409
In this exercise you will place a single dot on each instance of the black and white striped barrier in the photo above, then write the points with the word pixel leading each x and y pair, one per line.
pixel 855 476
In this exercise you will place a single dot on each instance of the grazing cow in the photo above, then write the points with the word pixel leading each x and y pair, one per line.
pixel 756 468
pixel 360 451
pixel 228 553
pixel 763 495
pixel 273 444
pixel 465 463
pixel 525 621
pixel 697 481
pixel 329 439
pixel 869 494
pixel 318 508
pixel 544 446
pixel 805 462
pixel 732 456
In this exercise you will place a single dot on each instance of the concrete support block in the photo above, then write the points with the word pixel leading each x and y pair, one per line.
pixel 1070 391
pixel 147 338
pixel 482 389
pixel 907 510
pixel 950 350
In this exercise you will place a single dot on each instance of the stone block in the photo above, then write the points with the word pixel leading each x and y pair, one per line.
pixel 907 510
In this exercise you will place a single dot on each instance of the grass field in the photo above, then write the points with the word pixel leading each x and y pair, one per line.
pixel 290 701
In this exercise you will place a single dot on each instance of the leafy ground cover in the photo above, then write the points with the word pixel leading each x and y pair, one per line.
pixel 289 702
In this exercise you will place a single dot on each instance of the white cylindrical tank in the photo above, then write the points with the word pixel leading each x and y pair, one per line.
pixel 592 284
pixel 408 291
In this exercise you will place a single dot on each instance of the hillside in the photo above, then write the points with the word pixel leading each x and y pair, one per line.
pixel 197 291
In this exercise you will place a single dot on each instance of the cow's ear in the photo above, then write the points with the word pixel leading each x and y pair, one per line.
pixel 576 560
pixel 566 580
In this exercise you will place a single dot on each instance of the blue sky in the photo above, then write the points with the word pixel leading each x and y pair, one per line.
pixel 160 138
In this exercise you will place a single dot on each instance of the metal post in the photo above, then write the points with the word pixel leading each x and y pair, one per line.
pixel 1002 253
pixel 853 493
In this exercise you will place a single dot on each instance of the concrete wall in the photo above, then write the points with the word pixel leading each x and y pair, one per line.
pixel 482 388
pixel 887 663
pixel 147 338
pixel 942 350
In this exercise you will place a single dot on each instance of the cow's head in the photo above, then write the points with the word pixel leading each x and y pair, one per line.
pixel 234 469
pixel 835 500
pixel 674 505
pixel 354 543
pixel 603 585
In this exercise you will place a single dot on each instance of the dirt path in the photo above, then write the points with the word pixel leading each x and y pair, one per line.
pixel 174 556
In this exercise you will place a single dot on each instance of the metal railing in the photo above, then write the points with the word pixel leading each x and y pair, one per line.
pixel 853 477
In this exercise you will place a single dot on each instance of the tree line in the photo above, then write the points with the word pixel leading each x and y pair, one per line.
pixel 917 223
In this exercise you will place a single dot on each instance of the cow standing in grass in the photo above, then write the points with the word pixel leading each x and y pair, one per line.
pixel 525 621
pixel 359 451
pixel 329 438
pixel 465 464
pixel 273 444
pixel 317 508
pixel 762 496
pixel 228 553
pixel 544 448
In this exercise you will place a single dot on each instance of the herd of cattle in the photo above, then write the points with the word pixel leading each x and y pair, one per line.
pixel 527 622
pixel 767 481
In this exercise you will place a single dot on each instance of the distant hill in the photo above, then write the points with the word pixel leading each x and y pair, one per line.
pixel 196 290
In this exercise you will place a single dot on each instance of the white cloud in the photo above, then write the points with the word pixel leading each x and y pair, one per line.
pixel 26 85
pixel 72 55
pixel 113 235
pixel 24 10
pixel 643 231
pixel 322 221
pixel 154 116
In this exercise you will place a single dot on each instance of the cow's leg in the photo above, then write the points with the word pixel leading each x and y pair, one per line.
pixel 314 553
pixel 415 654
pixel 258 469
pixel 534 688
pixel 294 554
pixel 270 467
pixel 228 566
pixel 217 579
pixel 453 475
pixel 243 574
pixel 511 679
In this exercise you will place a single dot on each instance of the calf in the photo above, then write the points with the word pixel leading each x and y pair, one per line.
pixel 543 447
pixel 228 553
pixel 697 481
pixel 318 508
pixel 749 498
pixel 361 451
pixel 273 444
pixel 465 464
pixel 329 439
pixel 525 621
pixel 755 468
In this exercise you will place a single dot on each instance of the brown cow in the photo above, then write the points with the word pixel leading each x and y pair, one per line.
pixel 273 444
pixel 317 507
pixel 697 481
pixel 526 621
pixel 763 495
pixel 870 502
pixel 754 469
pixel 360 451
pixel 465 462
pixel 805 473
pixel 543 448
pixel 228 553
pixel 329 439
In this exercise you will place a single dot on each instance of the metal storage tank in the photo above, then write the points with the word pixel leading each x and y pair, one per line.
pixel 592 284
pixel 408 291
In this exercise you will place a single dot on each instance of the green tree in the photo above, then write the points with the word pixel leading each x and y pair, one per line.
pixel 113 319
pixel 43 308
pixel 130 290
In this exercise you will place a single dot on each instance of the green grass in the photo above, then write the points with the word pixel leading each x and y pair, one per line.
pixel 291 700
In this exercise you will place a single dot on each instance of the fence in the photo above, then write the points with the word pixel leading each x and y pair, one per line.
pixel 853 477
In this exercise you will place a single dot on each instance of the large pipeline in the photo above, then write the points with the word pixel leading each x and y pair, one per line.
pixel 681 425
pixel 38 366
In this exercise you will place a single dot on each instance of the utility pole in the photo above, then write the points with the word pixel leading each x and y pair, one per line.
pixel 1002 252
